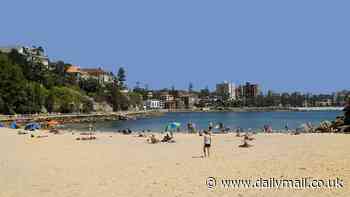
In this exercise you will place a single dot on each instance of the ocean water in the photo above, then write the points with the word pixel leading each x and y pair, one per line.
pixel 245 120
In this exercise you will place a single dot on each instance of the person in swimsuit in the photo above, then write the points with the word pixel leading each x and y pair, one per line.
pixel 207 143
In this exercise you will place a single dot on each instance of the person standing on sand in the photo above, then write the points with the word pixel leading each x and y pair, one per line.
pixel 207 143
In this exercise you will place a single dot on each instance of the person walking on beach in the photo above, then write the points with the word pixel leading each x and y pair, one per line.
pixel 207 143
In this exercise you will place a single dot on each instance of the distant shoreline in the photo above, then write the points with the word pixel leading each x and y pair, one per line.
pixel 81 118
pixel 261 109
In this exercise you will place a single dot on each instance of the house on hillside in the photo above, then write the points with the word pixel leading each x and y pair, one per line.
pixel 100 75
pixel 74 70
pixel 32 54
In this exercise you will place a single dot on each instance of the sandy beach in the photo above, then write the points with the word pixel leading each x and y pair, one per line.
pixel 124 165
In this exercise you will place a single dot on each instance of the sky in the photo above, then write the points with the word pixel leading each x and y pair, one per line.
pixel 299 45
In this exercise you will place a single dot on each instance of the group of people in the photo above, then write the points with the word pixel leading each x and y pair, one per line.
pixel 168 138
pixel 207 140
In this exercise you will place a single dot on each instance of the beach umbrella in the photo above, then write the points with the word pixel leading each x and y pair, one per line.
pixel 32 126
pixel 173 126
pixel 14 125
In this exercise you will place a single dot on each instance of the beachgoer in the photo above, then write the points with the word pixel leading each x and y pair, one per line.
pixel 193 127
pixel 153 139
pixel 286 127
pixel 166 138
pixel 189 127
pixel 221 126
pixel 238 132
pixel 207 143
pixel 90 127
pixel 129 131
pixel 269 129
pixel 246 138
pixel 210 126
pixel 265 128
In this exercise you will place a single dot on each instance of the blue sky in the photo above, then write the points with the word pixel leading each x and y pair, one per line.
pixel 299 45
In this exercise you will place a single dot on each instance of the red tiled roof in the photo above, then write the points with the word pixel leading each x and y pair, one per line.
pixel 73 69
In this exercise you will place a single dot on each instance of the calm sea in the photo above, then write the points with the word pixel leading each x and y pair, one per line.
pixel 245 120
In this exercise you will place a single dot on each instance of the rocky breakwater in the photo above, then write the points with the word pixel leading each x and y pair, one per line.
pixel 78 118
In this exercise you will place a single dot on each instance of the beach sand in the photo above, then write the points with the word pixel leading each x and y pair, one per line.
pixel 121 165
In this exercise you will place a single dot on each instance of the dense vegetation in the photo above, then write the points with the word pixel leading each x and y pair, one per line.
pixel 27 87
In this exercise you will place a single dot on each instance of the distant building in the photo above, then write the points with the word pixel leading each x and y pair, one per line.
pixel 324 103
pixel 171 104
pixel 180 104
pixel 239 92
pixel 97 73
pixel 153 104
pixel 226 90
pixel 74 70
pixel 100 75
pixel 250 90
pixel 149 94
pixel 165 96
pixel 32 54
pixel 189 100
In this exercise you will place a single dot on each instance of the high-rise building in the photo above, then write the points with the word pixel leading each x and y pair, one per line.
pixel 250 90
pixel 226 90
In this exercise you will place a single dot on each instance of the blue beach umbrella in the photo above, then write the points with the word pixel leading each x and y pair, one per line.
pixel 32 126
pixel 173 126
pixel 14 125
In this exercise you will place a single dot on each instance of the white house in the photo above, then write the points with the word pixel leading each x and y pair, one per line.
pixel 152 104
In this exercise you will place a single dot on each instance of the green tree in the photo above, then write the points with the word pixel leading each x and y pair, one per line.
pixel 35 99
pixel 12 85
pixel 2 105
pixel 65 100
pixel 119 100
pixel 121 77
pixel 135 99
pixel 90 85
